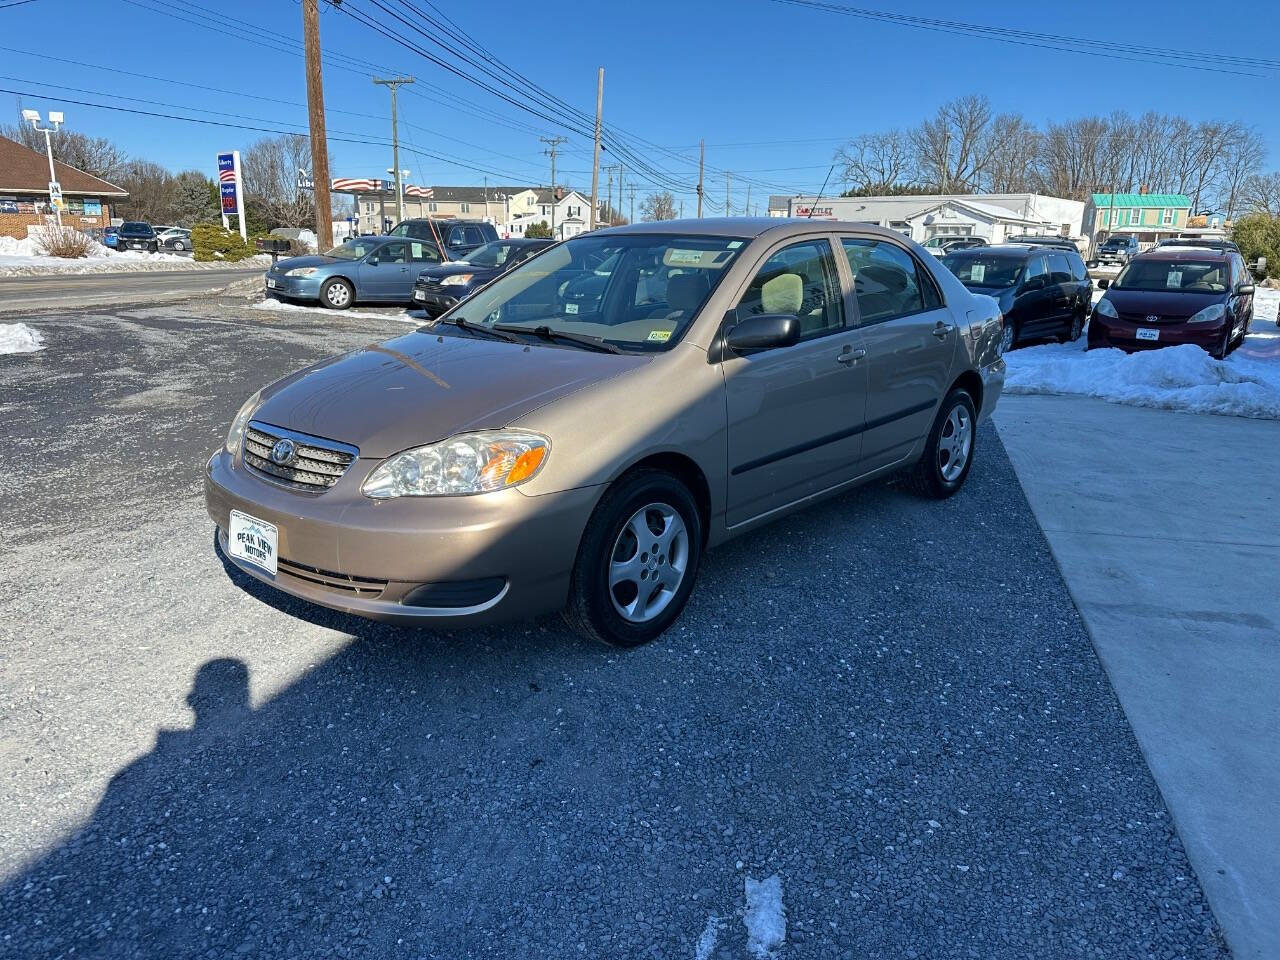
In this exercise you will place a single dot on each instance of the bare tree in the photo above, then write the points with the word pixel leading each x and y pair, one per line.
pixel 951 147
pixel 152 192
pixel 1011 151
pixel 270 169
pixel 876 162
pixel 1260 193
pixel 94 155
pixel 1244 154
pixel 658 206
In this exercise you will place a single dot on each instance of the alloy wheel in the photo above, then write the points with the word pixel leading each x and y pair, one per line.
pixel 955 443
pixel 338 294
pixel 1006 338
pixel 648 562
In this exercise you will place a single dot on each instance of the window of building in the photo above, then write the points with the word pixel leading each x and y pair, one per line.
pixel 466 208
pixel 1135 216
pixel 1167 217
pixel 432 206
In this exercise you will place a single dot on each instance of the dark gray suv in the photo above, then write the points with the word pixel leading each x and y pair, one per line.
pixel 457 237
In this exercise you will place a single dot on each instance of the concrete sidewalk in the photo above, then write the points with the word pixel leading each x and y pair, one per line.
pixel 1167 529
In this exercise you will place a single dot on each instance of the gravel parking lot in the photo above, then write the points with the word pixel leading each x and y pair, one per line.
pixel 890 705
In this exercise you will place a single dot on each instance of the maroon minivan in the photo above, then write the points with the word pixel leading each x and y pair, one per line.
pixel 1174 295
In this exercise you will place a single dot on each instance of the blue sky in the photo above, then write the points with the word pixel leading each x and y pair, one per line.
pixel 772 87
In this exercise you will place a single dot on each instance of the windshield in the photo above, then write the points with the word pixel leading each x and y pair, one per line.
pixel 934 242
pixel 1114 244
pixel 984 271
pixel 352 249
pixel 136 229
pixel 417 229
pixel 492 254
pixel 1173 276
pixel 637 291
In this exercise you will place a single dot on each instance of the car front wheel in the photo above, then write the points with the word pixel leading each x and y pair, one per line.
pixel 337 295
pixel 948 453
pixel 637 561
pixel 1008 338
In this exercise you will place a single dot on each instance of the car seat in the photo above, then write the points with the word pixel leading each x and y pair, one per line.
pixel 685 292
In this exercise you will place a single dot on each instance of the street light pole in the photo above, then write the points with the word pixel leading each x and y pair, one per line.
pixel 56 120
pixel 393 83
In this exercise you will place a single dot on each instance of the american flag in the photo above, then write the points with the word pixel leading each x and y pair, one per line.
pixel 353 185
pixel 424 193
pixel 227 176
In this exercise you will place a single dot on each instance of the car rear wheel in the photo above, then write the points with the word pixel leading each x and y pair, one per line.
pixel 948 453
pixel 637 561
pixel 179 245
pixel 1074 329
pixel 337 295
pixel 1008 338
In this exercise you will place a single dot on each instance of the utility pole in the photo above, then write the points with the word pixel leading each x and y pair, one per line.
pixel 609 192
pixel 702 156
pixel 552 144
pixel 633 203
pixel 726 193
pixel 621 170
pixel 746 211
pixel 681 209
pixel 394 83
pixel 595 162
pixel 315 115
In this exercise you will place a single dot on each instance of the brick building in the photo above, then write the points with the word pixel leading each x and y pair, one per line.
pixel 24 193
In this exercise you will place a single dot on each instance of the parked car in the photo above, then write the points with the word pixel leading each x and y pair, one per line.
pixel 440 287
pixel 940 245
pixel 1117 250
pixel 515 457
pixel 1203 243
pixel 175 238
pixel 1042 291
pixel 109 237
pixel 1176 295
pixel 459 237
pixel 1062 243
pixel 137 235
pixel 362 269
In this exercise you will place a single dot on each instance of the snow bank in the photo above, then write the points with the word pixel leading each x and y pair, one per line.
pixel 765 918
pixel 23 258
pixel 19 338
pixel 1246 384
pixel 287 307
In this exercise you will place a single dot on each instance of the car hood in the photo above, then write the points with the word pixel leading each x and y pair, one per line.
pixel 1171 305
pixel 437 273
pixel 425 387
pixel 311 260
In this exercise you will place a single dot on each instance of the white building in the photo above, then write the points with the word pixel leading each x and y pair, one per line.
pixel 572 213
pixel 992 216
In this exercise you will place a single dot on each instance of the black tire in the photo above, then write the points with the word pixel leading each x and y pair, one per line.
pixel 179 246
pixel 1009 336
pixel 591 610
pixel 927 477
pixel 331 297
pixel 1074 328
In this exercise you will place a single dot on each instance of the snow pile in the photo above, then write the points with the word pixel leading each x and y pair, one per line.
pixel 1184 377
pixel 13 247
pixel 19 338
pixel 765 918
pixel 282 306
pixel 104 260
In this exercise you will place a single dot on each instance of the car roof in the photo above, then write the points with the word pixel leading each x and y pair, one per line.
pixel 1184 253
pixel 1002 250
pixel 748 228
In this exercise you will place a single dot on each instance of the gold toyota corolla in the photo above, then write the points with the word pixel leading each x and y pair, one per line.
pixel 574 435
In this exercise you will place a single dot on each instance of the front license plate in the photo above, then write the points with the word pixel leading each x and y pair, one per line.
pixel 1146 333
pixel 253 541
pixel 271 284
pixel 419 295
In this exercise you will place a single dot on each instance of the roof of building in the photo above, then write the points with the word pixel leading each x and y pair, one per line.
pixel 473 194
pixel 779 201
pixel 26 171
pixel 1141 200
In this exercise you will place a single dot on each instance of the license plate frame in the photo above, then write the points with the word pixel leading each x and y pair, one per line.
pixel 271 284
pixel 1148 333
pixel 253 540
pixel 419 294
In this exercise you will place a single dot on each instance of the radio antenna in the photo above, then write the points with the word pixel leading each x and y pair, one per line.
pixel 820 192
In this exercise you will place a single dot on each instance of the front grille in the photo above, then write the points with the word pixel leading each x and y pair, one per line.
pixel 317 464
pixel 1142 320
pixel 345 582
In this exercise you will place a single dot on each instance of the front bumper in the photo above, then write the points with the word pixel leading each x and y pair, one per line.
pixel 379 558
pixel 992 386
pixel 1122 334
pixel 296 288
pixel 433 300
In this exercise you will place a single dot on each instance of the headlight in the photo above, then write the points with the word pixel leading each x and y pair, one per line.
pixel 1103 308
pixel 456 279
pixel 1210 314
pixel 468 463
pixel 236 433
pixel 300 272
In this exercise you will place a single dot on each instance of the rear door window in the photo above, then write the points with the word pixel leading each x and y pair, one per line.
pixel 1035 268
pixel 1078 271
pixel 1059 268
pixel 886 280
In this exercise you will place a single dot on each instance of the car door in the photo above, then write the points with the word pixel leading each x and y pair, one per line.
pixel 1059 286
pixel 385 274
pixel 910 337
pixel 795 413
pixel 1034 300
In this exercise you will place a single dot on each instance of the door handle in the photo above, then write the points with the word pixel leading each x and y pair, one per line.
pixel 942 329
pixel 848 355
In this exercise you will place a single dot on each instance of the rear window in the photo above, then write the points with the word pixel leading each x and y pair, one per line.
pixel 985 271
pixel 1174 276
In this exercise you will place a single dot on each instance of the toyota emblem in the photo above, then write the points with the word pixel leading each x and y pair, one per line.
pixel 1152 318
pixel 283 452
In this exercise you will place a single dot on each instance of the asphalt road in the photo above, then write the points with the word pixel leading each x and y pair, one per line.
pixel 890 705
pixel 19 294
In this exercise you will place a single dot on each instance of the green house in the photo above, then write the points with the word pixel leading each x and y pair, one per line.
pixel 1152 216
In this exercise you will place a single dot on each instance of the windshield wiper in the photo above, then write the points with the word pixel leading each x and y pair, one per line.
pixel 578 339
pixel 462 323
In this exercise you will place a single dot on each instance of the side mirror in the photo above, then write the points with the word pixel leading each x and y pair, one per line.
pixel 763 332
pixel 371 259
pixel 1244 289
pixel 1104 283
pixel 1035 283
